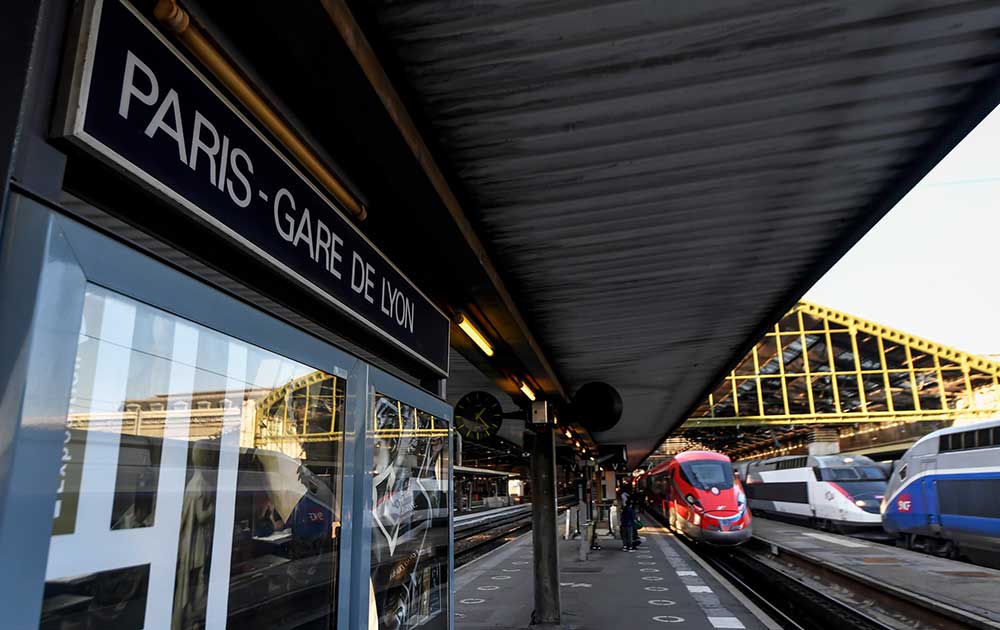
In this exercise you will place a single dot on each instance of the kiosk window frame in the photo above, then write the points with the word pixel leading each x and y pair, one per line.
pixel 48 261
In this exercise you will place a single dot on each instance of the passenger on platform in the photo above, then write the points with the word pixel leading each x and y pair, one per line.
pixel 628 527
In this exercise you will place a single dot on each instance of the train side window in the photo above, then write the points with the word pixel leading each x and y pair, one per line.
pixel 983 438
pixel 902 472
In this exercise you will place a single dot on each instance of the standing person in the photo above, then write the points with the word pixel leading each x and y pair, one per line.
pixel 628 527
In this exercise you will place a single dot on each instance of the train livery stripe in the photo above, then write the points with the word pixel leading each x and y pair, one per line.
pixel 785 491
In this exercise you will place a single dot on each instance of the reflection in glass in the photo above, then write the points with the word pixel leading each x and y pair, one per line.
pixel 200 480
pixel 410 540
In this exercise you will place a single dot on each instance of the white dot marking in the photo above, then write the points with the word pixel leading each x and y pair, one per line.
pixel 662 602
pixel 657 589
pixel 473 600
pixel 489 587
pixel 668 619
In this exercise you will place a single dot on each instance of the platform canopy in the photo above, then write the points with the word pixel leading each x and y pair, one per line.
pixel 658 182
pixel 821 368
pixel 632 191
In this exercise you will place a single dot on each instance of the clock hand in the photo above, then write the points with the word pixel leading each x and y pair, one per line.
pixel 480 414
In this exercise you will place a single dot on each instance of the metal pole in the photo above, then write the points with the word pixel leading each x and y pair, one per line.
pixel 544 528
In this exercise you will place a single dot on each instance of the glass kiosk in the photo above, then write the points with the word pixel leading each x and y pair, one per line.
pixel 180 447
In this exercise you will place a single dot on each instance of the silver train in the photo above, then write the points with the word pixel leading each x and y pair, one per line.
pixel 840 493
pixel 944 494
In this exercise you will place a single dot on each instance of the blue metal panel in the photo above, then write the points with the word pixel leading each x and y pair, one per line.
pixel 41 289
pixel 351 598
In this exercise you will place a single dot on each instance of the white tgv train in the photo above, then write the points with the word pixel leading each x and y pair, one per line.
pixel 836 492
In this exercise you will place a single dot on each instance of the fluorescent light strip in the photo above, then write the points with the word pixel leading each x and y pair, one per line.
pixel 474 334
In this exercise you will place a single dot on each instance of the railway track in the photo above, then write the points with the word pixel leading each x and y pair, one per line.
pixel 476 537
pixel 801 594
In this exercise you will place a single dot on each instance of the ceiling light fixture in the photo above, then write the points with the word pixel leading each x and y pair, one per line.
pixel 527 392
pixel 474 334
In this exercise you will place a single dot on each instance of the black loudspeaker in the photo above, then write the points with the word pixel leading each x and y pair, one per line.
pixel 597 406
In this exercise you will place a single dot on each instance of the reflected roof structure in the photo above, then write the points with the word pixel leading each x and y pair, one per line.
pixel 819 366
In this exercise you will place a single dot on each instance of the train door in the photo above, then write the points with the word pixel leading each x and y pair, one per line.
pixel 409 497
pixel 181 458
pixel 928 492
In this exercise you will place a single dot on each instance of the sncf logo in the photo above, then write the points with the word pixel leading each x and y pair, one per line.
pixel 904 503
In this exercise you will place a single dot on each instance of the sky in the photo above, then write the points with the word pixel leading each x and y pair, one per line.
pixel 929 267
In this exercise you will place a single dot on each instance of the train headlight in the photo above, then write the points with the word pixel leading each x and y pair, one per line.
pixel 695 503
pixel 859 503
pixel 741 498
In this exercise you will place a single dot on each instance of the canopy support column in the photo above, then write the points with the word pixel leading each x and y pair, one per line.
pixel 543 528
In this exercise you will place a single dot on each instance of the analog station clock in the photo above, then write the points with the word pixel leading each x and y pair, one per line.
pixel 478 415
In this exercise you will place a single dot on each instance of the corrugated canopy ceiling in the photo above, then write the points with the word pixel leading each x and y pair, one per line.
pixel 659 181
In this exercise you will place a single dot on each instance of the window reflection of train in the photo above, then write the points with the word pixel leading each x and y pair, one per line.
pixel 284 534
pixel 835 492
pixel 944 494
pixel 698 495
pixel 410 535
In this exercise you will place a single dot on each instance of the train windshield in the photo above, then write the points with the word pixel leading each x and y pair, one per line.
pixel 705 475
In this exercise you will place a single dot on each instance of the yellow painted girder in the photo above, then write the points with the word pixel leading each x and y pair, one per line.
pixel 932 415
pixel 976 362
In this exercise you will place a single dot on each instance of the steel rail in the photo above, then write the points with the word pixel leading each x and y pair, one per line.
pixel 797 604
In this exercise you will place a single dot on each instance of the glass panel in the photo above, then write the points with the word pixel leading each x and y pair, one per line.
pixel 410 538
pixel 902 392
pixel 927 386
pixel 767 355
pixel 850 396
pixel 773 396
pixel 201 480
pixel 747 394
pixel 822 386
pixel 798 395
pixel 818 359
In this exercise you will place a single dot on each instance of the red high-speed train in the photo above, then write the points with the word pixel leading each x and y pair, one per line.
pixel 701 498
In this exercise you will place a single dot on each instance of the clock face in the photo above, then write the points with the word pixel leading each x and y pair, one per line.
pixel 478 415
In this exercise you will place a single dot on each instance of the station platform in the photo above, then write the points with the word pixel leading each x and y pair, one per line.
pixel 660 583
pixel 938 583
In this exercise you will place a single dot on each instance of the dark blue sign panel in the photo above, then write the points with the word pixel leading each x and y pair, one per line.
pixel 142 106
